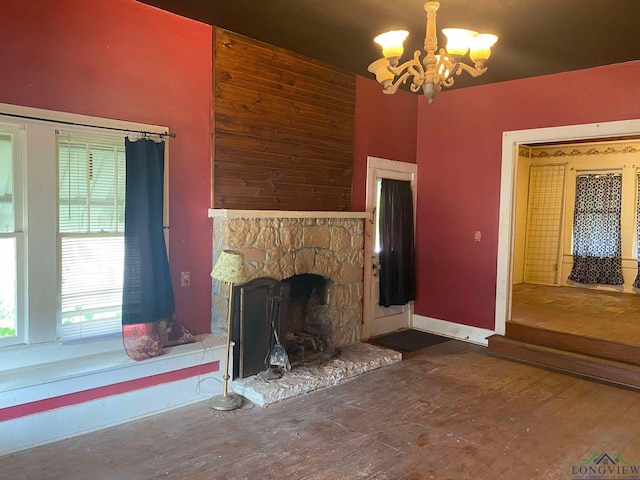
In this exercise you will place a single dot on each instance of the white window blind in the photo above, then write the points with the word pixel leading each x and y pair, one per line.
pixel 91 199
pixel 6 184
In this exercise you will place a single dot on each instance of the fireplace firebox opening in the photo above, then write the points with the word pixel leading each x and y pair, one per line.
pixel 308 326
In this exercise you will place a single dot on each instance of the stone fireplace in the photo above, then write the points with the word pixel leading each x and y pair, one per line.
pixel 281 245
pixel 284 246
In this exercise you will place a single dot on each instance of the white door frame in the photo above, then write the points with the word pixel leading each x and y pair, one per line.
pixel 508 182
pixel 375 164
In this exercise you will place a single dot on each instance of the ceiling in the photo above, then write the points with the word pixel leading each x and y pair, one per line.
pixel 537 37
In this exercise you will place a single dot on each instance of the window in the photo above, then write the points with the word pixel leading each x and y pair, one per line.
pixel 91 199
pixel 10 225
pixel 61 229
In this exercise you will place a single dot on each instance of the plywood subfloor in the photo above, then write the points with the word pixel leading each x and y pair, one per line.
pixel 585 312
pixel 449 411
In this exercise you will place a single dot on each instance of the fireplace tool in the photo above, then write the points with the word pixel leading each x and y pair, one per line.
pixel 279 357
pixel 276 359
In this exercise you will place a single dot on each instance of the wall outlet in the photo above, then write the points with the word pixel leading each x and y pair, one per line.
pixel 185 279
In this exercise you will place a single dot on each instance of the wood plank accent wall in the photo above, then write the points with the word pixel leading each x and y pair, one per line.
pixel 283 129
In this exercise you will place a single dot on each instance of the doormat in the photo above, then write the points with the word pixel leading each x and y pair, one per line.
pixel 408 340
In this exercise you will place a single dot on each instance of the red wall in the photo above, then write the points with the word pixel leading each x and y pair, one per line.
pixel 459 159
pixel 385 127
pixel 124 60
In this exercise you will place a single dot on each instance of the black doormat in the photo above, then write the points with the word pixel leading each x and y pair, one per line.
pixel 408 340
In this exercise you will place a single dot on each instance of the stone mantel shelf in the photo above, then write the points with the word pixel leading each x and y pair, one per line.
pixel 226 213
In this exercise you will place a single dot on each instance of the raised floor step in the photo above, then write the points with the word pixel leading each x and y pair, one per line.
pixel 589 346
pixel 595 368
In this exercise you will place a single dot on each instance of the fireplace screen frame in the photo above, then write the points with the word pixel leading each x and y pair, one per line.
pixel 256 304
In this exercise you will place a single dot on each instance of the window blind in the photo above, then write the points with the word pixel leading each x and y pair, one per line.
pixel 6 184
pixel 91 199
pixel 8 242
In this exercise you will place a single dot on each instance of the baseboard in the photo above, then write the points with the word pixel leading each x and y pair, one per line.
pixel 466 333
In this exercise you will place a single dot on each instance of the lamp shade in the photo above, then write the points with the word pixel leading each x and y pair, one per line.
pixel 480 48
pixel 392 43
pixel 380 70
pixel 458 40
pixel 229 267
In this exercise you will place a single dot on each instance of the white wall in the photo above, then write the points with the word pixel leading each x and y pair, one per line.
pixel 522 194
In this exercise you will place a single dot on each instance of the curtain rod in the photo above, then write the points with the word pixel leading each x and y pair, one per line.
pixel 76 124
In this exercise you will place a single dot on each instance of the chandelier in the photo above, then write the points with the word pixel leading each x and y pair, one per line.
pixel 436 70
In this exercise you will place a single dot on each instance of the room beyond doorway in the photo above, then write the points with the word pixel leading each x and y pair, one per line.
pixel 608 316
pixel 508 194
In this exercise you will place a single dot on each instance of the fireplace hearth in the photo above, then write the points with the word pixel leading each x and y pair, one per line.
pixel 317 261
pixel 352 361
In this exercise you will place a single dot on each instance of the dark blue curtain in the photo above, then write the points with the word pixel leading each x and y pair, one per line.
pixel 397 250
pixel 147 294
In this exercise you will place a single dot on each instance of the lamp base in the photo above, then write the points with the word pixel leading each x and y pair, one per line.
pixel 231 401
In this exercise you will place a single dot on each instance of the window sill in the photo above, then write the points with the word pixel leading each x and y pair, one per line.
pixel 62 370
pixel 35 355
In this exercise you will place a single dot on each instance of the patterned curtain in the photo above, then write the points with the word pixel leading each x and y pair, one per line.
pixel 596 230
pixel 636 283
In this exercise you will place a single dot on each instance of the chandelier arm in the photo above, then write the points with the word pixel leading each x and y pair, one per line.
pixel 414 62
pixel 474 72
pixel 448 82
pixel 418 74
pixel 411 68
pixel 393 88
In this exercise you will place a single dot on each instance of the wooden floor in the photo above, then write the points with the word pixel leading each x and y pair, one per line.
pixel 447 412
pixel 610 316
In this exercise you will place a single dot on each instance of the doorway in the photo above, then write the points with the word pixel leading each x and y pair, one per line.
pixel 378 320
pixel 509 191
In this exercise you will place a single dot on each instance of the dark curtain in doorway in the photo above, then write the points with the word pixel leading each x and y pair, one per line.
pixel 597 249
pixel 397 251
pixel 147 293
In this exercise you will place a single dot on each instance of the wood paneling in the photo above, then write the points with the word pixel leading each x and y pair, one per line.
pixel 283 129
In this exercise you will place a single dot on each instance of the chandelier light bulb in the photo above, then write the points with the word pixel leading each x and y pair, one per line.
pixel 443 71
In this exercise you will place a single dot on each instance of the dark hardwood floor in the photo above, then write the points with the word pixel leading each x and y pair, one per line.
pixel 449 411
